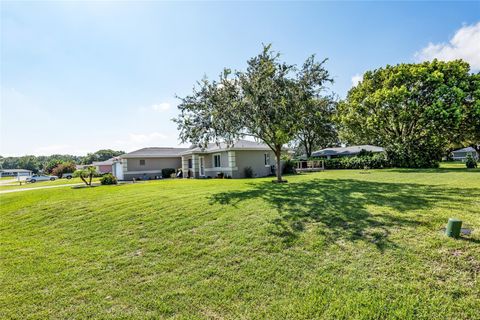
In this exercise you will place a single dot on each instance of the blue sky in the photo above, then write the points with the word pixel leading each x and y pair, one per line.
pixel 77 77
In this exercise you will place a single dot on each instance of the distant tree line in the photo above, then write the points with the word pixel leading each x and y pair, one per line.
pixel 56 163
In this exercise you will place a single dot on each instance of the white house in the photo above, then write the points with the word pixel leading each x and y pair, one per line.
pixel 461 154
pixel 195 162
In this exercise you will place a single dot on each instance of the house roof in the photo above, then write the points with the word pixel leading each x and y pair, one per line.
pixel 15 170
pixel 155 152
pixel 222 146
pixel 108 162
pixel 467 149
pixel 345 151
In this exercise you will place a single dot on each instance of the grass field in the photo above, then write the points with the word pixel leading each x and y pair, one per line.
pixel 24 185
pixel 330 245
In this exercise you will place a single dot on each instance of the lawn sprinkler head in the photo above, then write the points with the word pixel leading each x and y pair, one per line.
pixel 454 226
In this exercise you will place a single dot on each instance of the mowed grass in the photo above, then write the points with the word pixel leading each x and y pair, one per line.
pixel 330 245
pixel 16 184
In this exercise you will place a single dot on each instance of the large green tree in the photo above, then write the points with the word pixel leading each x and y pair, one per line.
pixel 413 110
pixel 101 155
pixel 317 129
pixel 262 102
pixel 469 133
pixel 28 163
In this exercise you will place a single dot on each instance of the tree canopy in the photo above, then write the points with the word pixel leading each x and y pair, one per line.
pixel 317 128
pixel 262 102
pixel 101 155
pixel 47 163
pixel 413 110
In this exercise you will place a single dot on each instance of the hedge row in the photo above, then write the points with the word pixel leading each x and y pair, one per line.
pixel 376 161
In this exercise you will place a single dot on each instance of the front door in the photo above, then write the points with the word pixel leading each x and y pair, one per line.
pixel 202 166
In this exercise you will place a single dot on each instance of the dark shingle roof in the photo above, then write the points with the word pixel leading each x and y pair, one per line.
pixel 155 152
pixel 346 151
pixel 104 163
pixel 467 149
pixel 239 145
pixel 14 170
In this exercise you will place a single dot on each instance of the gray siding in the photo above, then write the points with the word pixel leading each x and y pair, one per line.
pixel 255 160
pixel 133 164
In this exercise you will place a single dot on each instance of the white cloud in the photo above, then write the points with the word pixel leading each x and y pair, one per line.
pixel 356 79
pixel 135 141
pixel 61 149
pixel 164 106
pixel 54 148
pixel 145 138
pixel 465 44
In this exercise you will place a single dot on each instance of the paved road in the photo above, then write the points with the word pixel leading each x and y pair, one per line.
pixel 44 187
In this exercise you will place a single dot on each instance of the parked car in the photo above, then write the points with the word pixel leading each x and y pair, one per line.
pixel 39 177
pixel 67 175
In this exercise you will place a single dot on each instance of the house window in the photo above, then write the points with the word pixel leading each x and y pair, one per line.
pixel 216 160
pixel 266 159
pixel 142 162
pixel 190 164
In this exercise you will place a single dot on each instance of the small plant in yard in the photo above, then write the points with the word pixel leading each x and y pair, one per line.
pixel 86 175
pixel 248 172
pixel 471 162
pixel 108 179
pixel 167 172
pixel 289 166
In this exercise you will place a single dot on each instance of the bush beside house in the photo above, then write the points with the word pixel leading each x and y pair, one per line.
pixel 167 172
pixel 375 161
pixel 108 179
pixel 471 162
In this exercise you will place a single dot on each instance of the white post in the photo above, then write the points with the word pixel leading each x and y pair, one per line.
pixel 194 165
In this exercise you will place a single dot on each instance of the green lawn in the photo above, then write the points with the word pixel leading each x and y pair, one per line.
pixel 330 245
pixel 24 185
pixel 7 178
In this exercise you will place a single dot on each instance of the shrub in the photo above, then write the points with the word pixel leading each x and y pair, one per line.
pixel 289 166
pixel 419 155
pixel 108 179
pixel 166 172
pixel 64 167
pixel 375 161
pixel 86 175
pixel 365 153
pixel 248 172
pixel 471 162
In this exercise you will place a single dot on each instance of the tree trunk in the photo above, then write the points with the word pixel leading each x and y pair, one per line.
pixel 83 179
pixel 278 153
pixel 308 149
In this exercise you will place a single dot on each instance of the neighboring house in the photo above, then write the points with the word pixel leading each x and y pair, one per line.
pixel 82 166
pixel 230 161
pixel 461 154
pixel 15 172
pixel 147 163
pixel 329 153
pixel 195 162
pixel 103 166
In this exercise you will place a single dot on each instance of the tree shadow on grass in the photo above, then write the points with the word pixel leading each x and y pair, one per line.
pixel 435 170
pixel 340 207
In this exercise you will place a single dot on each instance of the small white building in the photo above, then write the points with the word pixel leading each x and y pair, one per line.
pixel 462 154
pixel 15 173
